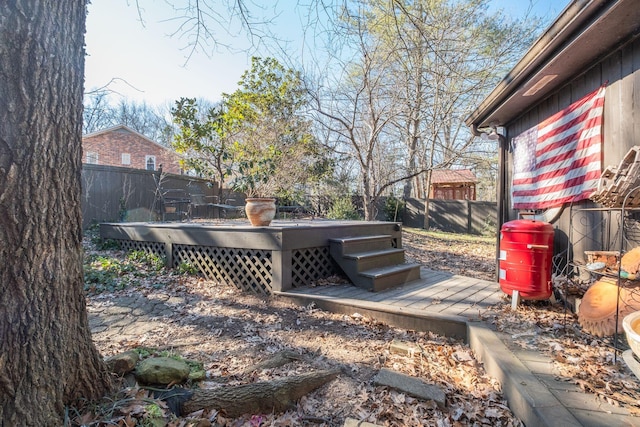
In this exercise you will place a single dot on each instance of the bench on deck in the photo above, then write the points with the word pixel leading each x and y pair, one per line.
pixel 296 211
pixel 220 210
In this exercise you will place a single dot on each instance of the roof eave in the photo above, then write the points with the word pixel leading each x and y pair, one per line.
pixel 572 23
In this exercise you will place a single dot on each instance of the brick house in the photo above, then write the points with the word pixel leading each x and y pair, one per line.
pixel 124 147
pixel 453 184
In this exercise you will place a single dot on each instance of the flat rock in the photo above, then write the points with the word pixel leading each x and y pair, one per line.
pixel 410 385
pixel 123 363
pixel 406 349
pixel 352 422
pixel 162 370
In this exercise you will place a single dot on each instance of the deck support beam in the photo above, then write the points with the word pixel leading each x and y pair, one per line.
pixel 282 270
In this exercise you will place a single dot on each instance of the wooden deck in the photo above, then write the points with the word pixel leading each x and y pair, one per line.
pixel 440 302
pixel 437 292
pixel 283 255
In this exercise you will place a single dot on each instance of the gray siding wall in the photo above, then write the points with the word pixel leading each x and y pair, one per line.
pixel 621 69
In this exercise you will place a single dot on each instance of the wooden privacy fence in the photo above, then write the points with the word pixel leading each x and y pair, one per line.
pixel 457 216
pixel 112 194
pixel 117 194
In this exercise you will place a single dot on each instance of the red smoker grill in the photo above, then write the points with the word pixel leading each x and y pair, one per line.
pixel 526 249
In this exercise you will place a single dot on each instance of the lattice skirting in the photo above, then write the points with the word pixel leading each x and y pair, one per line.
pixel 248 269
pixel 309 264
pixel 156 248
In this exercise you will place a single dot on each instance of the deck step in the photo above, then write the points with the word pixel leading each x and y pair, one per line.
pixel 373 262
pixel 378 279
pixel 371 259
pixel 349 245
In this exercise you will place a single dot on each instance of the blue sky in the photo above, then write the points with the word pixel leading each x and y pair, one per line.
pixel 152 62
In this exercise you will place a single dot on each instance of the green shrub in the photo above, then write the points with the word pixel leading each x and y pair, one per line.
pixel 106 244
pixel 104 274
pixel 108 274
pixel 393 208
pixel 187 268
pixel 93 234
pixel 154 261
pixel 343 208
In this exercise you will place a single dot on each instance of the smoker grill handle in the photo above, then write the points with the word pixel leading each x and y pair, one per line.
pixel 530 246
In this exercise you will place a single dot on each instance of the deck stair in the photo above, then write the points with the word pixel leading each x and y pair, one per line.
pixel 372 262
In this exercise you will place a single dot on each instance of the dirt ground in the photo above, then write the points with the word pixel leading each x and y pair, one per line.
pixel 471 256
pixel 228 331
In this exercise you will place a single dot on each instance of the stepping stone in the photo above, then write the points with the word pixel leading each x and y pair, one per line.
pixel 352 422
pixel 123 363
pixel 410 385
pixel 403 348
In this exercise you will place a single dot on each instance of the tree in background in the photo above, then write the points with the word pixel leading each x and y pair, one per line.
pixel 47 357
pixel 204 138
pixel 99 114
pixel 274 147
pixel 150 121
pixel 354 106
pixel 413 72
pixel 437 58
pixel 258 137
pixel 450 54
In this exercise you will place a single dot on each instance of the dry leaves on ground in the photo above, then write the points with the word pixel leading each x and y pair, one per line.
pixel 578 357
pixel 228 330
pixel 471 256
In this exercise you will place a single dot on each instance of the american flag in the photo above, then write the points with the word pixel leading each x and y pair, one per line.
pixel 559 160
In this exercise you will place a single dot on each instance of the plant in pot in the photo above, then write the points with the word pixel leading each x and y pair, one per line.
pixel 274 150
pixel 257 179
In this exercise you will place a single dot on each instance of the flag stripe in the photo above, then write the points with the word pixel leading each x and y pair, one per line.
pixel 588 126
pixel 557 186
pixel 561 166
pixel 559 161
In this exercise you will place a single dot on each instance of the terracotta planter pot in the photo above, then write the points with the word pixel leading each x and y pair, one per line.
pixel 260 210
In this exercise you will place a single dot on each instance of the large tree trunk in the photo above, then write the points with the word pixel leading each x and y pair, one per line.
pixel 47 358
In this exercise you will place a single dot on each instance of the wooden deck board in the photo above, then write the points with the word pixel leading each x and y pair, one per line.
pixel 481 306
pixel 429 284
pixel 437 292
pixel 491 293
pixel 464 308
pixel 461 293
pixel 330 291
pixel 385 295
